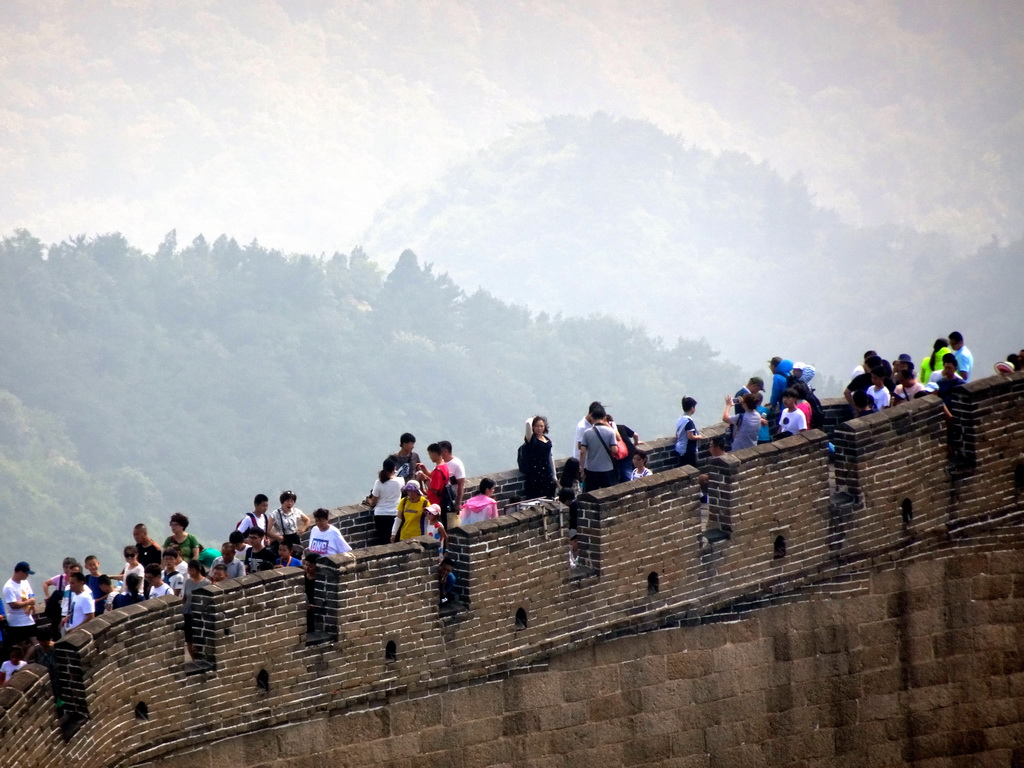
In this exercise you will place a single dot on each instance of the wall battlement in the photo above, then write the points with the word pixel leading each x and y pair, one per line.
pixel 780 517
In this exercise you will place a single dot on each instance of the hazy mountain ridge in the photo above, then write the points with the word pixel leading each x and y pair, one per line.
pixel 50 497
pixel 573 213
pixel 137 117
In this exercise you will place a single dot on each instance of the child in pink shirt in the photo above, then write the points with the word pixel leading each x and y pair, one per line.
pixel 482 506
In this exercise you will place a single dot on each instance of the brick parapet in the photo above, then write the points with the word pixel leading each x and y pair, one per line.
pixel 917 662
pixel 894 467
pixel 773 502
pixel 989 468
pixel 388 594
pixel 836 411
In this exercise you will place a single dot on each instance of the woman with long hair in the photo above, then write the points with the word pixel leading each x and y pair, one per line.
pixel 535 460
pixel 571 476
pixel 933 362
pixel 384 498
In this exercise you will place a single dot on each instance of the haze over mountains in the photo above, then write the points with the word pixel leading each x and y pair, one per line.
pixel 293 121
pixel 582 215
pixel 801 179
pixel 195 377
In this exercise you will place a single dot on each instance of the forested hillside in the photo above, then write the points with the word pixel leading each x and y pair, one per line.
pixel 136 384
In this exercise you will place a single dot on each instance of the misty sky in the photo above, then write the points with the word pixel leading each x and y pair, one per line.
pixel 292 122
pixel 300 123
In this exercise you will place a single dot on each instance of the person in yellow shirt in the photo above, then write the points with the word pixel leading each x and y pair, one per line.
pixel 410 522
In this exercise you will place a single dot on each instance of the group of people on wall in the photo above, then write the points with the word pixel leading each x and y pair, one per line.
pixel 261 540
pixel 410 499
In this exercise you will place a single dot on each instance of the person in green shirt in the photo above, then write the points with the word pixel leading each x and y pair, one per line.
pixel 933 362
pixel 186 543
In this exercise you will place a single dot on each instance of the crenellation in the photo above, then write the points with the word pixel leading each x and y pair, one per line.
pixel 893 466
pixel 773 502
pixel 842 552
pixel 987 416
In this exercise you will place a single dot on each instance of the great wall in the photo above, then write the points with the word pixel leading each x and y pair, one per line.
pixel 860 609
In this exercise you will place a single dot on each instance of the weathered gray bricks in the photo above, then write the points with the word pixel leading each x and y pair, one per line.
pixel 648 558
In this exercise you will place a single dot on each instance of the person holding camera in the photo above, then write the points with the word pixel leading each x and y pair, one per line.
pixel 746 425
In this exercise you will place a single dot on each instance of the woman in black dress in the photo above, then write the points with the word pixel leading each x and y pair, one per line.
pixel 535 460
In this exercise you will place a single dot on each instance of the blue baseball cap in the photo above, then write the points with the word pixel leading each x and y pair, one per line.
pixel 24 568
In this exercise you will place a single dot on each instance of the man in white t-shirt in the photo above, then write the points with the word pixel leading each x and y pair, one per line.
pixel 947 371
pixel 585 423
pixel 155 581
pixel 83 607
pixel 14 664
pixel 791 419
pixel 66 593
pixel 258 517
pixel 20 602
pixel 456 471
pixel 325 539
pixel 878 391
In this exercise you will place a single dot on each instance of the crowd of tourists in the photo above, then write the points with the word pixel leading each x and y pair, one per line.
pixel 410 499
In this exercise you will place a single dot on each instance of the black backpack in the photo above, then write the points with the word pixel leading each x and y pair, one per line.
pixel 817 412
pixel 806 393
pixel 52 610
pixel 448 497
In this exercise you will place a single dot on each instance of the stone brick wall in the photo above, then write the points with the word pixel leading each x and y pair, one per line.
pixel 773 501
pixel 124 658
pixel 649 560
pixel 989 471
pixel 837 412
pixel 913 663
pixel 894 466
pixel 385 610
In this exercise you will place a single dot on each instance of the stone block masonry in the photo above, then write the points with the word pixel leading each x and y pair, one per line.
pixel 833 679
pixel 869 627
pixel 895 467
pixel 988 471
pixel 773 501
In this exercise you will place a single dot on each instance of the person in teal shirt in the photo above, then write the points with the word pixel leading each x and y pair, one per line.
pixel 964 358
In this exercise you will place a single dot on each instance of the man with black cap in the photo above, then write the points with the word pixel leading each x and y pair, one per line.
pixel 20 601
pixel 755 386
pixel 902 363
